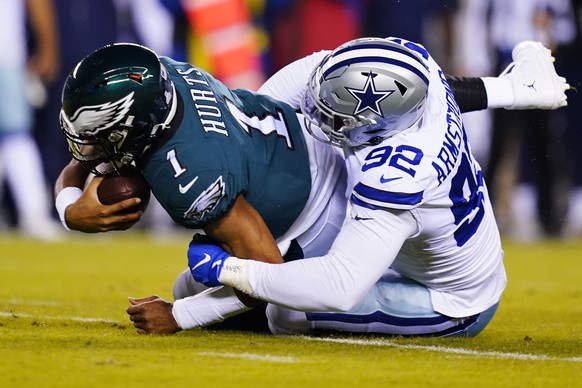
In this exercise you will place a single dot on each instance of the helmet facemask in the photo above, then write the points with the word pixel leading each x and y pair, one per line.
pixel 101 154
pixel 330 126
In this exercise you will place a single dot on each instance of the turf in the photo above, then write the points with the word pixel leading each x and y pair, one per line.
pixel 63 324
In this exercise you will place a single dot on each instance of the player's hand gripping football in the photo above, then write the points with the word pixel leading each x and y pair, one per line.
pixel 534 80
pixel 206 260
pixel 89 215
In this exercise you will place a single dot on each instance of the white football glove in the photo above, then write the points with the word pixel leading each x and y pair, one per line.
pixel 534 80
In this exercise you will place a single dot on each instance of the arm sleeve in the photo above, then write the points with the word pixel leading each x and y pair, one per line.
pixel 361 254
pixel 470 93
pixel 289 83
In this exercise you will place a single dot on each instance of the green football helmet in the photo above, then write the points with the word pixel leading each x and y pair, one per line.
pixel 115 103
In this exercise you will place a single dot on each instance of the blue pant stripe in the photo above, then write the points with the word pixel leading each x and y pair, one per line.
pixel 377 316
pixel 380 317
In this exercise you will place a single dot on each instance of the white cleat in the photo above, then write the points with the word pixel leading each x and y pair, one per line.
pixel 536 85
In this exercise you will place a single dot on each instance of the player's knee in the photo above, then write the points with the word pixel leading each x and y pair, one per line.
pixel 185 285
pixel 285 321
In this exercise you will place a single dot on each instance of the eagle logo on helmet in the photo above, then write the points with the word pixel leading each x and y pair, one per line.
pixel 368 97
pixel 89 120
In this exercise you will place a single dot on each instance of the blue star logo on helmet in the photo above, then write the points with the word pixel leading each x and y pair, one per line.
pixel 95 118
pixel 369 98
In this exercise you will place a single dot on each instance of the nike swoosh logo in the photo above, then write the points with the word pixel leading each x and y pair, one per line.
pixel 386 180
pixel 184 189
pixel 216 263
pixel 205 260
pixel 358 218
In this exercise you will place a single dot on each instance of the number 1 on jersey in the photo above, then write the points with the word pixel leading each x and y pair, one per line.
pixel 173 159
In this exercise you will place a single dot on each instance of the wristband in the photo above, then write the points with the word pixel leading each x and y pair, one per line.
pixel 500 92
pixel 65 198
pixel 235 273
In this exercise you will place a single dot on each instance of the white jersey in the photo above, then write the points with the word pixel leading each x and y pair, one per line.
pixel 419 206
pixel 429 171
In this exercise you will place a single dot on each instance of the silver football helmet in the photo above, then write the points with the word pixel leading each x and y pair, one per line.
pixel 364 91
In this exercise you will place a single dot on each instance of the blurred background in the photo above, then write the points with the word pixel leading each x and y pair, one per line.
pixel 531 159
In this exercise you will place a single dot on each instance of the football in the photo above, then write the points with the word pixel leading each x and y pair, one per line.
pixel 124 184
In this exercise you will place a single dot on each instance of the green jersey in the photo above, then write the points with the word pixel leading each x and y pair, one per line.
pixel 223 143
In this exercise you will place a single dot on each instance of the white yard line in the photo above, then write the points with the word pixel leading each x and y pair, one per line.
pixel 62 318
pixel 15 301
pixel 347 341
pixel 250 356
pixel 244 356
pixel 446 349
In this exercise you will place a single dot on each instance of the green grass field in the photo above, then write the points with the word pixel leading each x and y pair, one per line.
pixel 63 324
